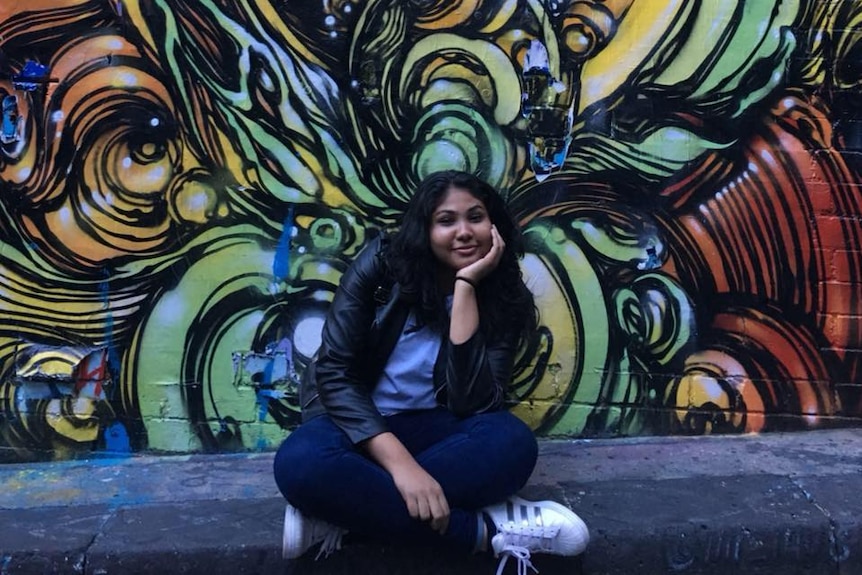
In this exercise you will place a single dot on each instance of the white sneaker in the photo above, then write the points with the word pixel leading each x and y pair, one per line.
pixel 301 533
pixel 525 527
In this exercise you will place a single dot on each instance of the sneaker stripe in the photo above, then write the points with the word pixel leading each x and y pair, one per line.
pixel 523 529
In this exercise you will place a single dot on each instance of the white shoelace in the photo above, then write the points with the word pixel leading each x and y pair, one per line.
pixel 522 554
pixel 331 543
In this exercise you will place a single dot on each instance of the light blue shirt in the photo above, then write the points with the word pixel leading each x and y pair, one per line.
pixel 407 381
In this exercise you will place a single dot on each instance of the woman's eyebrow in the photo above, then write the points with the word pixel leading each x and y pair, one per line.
pixel 472 208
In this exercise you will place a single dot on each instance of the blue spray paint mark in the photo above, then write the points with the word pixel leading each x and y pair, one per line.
pixel 263 398
pixel 262 444
pixel 10 122
pixel 652 261
pixel 262 405
pixel 105 459
pixel 117 439
pixel 267 374
pixel 31 77
pixel 281 263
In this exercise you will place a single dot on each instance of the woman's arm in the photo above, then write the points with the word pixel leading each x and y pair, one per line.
pixel 339 372
pixel 465 308
pixel 421 492
pixel 465 313
pixel 476 372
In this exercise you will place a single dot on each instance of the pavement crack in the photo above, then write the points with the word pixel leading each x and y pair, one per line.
pixel 85 554
pixel 837 551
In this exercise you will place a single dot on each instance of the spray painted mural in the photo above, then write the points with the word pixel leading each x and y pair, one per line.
pixel 183 182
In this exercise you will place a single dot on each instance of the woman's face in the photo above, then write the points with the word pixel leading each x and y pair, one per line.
pixel 460 229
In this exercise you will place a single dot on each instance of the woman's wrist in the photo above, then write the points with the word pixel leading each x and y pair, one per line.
pixel 468 281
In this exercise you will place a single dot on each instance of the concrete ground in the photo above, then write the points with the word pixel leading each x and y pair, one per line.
pixel 769 504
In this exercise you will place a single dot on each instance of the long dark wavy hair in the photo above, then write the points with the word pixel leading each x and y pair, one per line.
pixel 506 305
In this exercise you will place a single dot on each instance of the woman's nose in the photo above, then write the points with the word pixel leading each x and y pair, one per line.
pixel 464 229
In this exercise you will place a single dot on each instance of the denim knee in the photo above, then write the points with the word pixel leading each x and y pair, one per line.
pixel 522 443
pixel 301 460
pixel 289 470
pixel 510 437
pixel 516 434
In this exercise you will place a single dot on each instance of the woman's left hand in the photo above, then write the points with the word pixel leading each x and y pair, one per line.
pixel 482 267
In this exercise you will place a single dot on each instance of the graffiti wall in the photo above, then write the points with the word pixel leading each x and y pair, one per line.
pixel 183 183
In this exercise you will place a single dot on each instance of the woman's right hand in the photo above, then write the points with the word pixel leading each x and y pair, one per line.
pixel 484 266
pixel 421 492
pixel 423 495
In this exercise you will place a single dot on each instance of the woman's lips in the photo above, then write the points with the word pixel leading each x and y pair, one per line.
pixel 466 250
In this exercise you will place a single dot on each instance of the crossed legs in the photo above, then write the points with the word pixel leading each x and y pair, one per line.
pixel 478 461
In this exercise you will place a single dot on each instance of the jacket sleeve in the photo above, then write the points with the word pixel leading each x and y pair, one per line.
pixel 478 373
pixel 341 381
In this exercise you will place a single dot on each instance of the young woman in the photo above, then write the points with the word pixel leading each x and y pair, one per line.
pixel 404 437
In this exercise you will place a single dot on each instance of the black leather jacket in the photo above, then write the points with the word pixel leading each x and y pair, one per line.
pixel 363 325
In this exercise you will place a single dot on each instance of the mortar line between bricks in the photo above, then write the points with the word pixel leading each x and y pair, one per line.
pixel 833 527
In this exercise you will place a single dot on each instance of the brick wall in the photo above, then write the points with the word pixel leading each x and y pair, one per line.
pixel 183 184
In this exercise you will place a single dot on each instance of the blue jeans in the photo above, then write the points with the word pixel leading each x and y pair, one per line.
pixel 477 461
